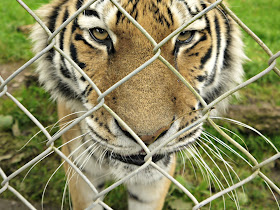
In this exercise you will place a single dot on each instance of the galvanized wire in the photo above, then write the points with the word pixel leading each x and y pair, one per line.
pixel 256 166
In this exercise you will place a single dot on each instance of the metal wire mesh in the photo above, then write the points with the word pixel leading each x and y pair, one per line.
pixel 256 167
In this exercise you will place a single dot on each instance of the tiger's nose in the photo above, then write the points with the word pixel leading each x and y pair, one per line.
pixel 149 139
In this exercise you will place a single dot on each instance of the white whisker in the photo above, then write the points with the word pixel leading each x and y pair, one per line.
pixel 274 196
pixel 208 170
pixel 68 172
pixel 47 156
pixel 92 149
pixel 35 165
pixel 36 134
pixel 206 138
pixel 189 158
pixel 226 146
pixel 101 158
pixel 83 135
pixel 52 127
pixel 248 127
pixel 183 159
pixel 223 128
pixel 196 160
pixel 76 161
pixel 219 156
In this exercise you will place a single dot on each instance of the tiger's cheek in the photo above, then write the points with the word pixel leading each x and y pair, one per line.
pixel 95 66
pixel 192 62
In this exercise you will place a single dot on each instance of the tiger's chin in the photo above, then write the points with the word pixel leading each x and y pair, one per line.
pixel 126 159
pixel 126 165
pixel 137 159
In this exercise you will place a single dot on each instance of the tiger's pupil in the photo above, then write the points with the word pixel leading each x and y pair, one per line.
pixel 185 36
pixel 99 34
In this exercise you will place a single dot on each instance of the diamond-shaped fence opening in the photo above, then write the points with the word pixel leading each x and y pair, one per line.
pixel 207 108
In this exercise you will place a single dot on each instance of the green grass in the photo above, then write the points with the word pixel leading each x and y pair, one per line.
pixel 15 46
pixel 261 16
pixel 33 98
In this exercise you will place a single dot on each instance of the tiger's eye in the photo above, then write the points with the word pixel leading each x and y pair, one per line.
pixel 99 34
pixel 185 36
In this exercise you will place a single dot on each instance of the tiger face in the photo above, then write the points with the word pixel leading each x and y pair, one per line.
pixel 154 103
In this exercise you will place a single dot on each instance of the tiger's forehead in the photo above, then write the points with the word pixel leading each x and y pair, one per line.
pixel 157 17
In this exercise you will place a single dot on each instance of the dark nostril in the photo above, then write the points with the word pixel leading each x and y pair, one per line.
pixel 147 139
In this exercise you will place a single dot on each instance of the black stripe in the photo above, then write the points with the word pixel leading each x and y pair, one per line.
pixel 214 94
pixel 79 4
pixel 170 15
pixel 61 39
pixel 87 91
pixel 227 55
pixel 66 15
pixel 82 78
pixel 67 91
pixel 189 135
pixel 134 9
pixel 202 39
pixel 203 6
pixel 158 16
pixel 74 26
pixel 189 9
pixel 194 54
pixel 119 15
pixel 53 17
pixel 205 58
pixel 84 92
pixel 209 52
pixel 218 37
pixel 51 21
pixel 73 53
pixel 64 71
pixel 89 12
pixel 125 132
pixel 207 24
pixel 51 25
pixel 134 197
pixel 79 37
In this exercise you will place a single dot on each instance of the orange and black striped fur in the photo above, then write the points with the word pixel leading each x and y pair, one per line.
pixel 153 103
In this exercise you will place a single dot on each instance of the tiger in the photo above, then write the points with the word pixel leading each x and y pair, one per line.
pixel 154 103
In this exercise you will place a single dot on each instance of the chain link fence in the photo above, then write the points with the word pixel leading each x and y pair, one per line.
pixel 256 166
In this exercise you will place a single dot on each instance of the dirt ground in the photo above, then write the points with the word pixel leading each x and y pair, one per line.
pixel 16 205
pixel 8 69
